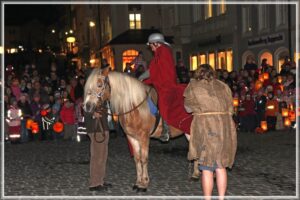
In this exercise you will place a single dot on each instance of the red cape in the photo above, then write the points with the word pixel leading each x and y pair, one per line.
pixel 170 94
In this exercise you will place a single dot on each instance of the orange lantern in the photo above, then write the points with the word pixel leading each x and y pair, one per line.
pixel 34 127
pixel 264 125
pixel 279 79
pixel 28 123
pixel 270 107
pixel 258 85
pixel 291 106
pixel 44 113
pixel 235 102
pixel 266 76
pixel 115 118
pixel 287 122
pixel 292 115
pixel 281 87
pixel 261 78
pixel 58 127
pixel 285 112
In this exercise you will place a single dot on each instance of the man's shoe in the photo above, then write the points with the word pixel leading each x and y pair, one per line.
pixel 109 185
pixel 98 188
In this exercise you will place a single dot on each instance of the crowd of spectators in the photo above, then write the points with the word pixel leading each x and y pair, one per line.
pixel 260 91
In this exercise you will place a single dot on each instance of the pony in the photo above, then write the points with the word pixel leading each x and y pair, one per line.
pixel 128 99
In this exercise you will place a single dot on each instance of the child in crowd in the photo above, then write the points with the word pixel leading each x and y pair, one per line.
pixel 67 115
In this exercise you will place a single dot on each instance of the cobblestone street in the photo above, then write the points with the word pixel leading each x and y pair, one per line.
pixel 265 166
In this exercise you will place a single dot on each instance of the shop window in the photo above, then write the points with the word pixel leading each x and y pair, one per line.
pixel 202 59
pixel 229 60
pixel 211 60
pixel 128 56
pixel 135 21
pixel 194 63
pixel 268 56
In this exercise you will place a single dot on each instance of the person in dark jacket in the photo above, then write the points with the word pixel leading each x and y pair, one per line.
pixel 96 124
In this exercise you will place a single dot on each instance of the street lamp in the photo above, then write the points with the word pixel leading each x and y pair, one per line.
pixel 71 39
pixel 53 31
pixel 92 24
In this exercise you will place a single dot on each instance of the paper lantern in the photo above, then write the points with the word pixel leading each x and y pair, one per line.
pixel 285 112
pixel 266 76
pixel 235 102
pixel 44 113
pixel 270 107
pixel 58 127
pixel 279 78
pixel 258 85
pixel 292 115
pixel 34 127
pixel 115 118
pixel 287 122
pixel 28 123
pixel 261 78
pixel 264 125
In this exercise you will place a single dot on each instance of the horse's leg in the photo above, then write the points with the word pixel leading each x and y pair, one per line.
pixel 137 158
pixel 144 160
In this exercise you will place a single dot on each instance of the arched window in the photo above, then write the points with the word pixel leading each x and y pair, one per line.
pixel 128 56
pixel 280 55
pixel 268 56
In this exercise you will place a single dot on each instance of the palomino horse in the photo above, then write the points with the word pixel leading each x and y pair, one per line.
pixel 128 99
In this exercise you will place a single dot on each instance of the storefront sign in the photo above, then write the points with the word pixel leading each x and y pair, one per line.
pixel 266 40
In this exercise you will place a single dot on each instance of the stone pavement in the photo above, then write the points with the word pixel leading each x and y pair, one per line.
pixel 265 166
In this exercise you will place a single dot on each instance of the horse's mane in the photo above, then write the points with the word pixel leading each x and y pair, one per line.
pixel 127 93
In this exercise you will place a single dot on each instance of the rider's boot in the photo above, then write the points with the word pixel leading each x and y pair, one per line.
pixel 165 135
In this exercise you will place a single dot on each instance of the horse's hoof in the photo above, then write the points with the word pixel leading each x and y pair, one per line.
pixel 135 187
pixel 194 178
pixel 141 190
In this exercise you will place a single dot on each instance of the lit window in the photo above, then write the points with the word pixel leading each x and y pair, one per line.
pixel 229 62
pixel 202 59
pixel 129 56
pixel 221 60
pixel 211 60
pixel 208 9
pixel 221 8
pixel 268 56
pixel 194 63
pixel 135 21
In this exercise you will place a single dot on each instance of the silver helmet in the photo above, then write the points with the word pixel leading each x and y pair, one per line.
pixel 157 37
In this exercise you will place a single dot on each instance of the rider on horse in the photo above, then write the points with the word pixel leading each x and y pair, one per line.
pixel 162 75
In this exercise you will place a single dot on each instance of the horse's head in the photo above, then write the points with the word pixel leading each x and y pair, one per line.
pixel 96 90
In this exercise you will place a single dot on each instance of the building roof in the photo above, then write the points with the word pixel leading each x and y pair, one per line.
pixel 134 36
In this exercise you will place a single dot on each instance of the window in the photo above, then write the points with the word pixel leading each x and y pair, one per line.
pixel 194 62
pixel 221 8
pixel 268 56
pixel 246 14
pixel 128 56
pixel 135 21
pixel 211 60
pixel 263 14
pixel 202 59
pixel 197 15
pixel 229 62
pixel 221 60
pixel 281 14
pixel 208 9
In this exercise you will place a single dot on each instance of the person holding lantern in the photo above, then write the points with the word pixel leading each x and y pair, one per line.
pixel 213 140
pixel 271 111
pixel 97 128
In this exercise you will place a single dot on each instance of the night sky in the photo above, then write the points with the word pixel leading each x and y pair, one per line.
pixel 17 14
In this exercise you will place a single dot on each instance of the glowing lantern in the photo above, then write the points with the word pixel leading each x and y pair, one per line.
pixel 292 115
pixel 279 79
pixel 235 102
pixel 115 117
pixel 287 122
pixel 264 125
pixel 28 123
pixel 281 87
pixel 44 113
pixel 270 107
pixel 258 85
pixel 58 127
pixel 284 112
pixel 261 78
pixel 34 127
pixel 291 106
pixel 266 76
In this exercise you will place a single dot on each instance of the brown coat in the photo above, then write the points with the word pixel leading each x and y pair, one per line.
pixel 213 134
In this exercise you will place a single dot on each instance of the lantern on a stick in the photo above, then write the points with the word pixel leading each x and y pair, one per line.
pixel 264 125
pixel 287 122
pixel 292 115
pixel 58 127
pixel 261 78
pixel 235 102
pixel 28 123
pixel 285 112
pixel 266 76
pixel 35 127
pixel 279 79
